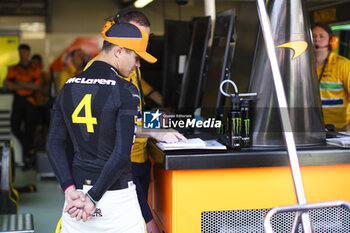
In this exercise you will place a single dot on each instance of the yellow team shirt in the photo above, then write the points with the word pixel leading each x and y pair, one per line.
pixel 42 97
pixel 139 153
pixel 334 90
pixel 67 74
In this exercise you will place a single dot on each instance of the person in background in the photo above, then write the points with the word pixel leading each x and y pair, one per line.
pixel 24 79
pixel 78 59
pixel 134 16
pixel 42 100
pixel 141 165
pixel 333 73
pixel 96 111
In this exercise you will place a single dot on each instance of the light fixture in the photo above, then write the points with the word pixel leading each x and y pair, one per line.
pixel 142 3
pixel 341 27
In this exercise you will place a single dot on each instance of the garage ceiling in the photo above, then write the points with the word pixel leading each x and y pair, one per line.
pixel 23 7
pixel 40 7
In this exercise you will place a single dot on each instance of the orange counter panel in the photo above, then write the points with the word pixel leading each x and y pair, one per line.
pixel 179 196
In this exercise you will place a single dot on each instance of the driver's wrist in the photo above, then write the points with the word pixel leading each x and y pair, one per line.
pixel 69 189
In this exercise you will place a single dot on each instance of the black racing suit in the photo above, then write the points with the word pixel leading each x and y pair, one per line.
pixel 95 111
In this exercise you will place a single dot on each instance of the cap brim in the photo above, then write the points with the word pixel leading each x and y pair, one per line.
pixel 147 57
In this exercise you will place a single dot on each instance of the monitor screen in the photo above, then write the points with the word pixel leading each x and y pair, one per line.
pixel 177 37
pixel 152 73
pixel 219 64
pixel 193 73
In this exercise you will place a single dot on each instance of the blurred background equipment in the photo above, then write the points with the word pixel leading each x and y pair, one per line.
pixel 219 64
pixel 299 80
pixel 8 194
pixel 194 70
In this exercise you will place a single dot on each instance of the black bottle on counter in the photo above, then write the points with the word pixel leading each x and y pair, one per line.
pixel 234 123
pixel 246 122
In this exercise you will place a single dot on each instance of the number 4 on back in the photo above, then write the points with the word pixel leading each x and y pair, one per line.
pixel 87 119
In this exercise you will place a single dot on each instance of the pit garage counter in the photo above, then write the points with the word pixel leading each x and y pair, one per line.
pixel 230 191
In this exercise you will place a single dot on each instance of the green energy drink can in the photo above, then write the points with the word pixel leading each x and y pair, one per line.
pixel 246 122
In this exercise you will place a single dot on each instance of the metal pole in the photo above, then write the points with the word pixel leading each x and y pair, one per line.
pixel 301 208
pixel 283 108
pixel 210 10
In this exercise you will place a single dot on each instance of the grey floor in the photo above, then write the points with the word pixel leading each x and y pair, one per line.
pixel 45 204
